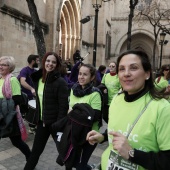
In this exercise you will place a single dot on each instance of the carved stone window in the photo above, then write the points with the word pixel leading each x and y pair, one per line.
pixel 143 4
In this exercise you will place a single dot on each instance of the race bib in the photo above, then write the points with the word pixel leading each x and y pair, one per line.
pixel 116 162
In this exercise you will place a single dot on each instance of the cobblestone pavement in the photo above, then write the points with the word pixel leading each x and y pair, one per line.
pixel 12 159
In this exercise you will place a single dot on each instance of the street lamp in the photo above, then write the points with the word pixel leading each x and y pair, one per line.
pixel 86 19
pixel 162 42
pixel 96 5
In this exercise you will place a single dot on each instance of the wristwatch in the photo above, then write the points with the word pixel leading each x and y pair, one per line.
pixel 131 153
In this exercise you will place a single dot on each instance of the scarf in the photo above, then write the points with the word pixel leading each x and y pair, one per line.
pixel 112 74
pixel 7 93
pixel 79 92
pixel 6 88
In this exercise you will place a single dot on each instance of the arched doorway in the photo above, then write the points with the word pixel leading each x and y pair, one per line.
pixel 69 36
pixel 144 42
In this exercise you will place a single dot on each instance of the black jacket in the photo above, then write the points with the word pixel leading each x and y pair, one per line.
pixel 72 131
pixel 55 97
pixel 102 87
pixel 8 120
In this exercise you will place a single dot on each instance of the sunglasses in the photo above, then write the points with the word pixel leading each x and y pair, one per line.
pixel 112 66
pixel 167 69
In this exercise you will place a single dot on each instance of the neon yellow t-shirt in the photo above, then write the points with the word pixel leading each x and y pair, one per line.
pixel 40 94
pixel 93 99
pixel 151 133
pixel 113 85
pixel 15 86
pixel 162 84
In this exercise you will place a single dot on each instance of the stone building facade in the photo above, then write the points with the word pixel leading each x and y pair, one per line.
pixel 64 33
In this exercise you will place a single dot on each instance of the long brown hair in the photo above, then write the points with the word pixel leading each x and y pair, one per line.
pixel 58 66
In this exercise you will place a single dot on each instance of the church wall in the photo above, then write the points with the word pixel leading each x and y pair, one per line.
pixel 16 37
pixel 21 5
pixel 119 33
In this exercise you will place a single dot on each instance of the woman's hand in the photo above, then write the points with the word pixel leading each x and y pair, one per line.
pixel 120 144
pixel 168 89
pixel 94 137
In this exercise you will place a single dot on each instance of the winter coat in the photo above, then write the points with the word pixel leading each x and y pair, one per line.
pixel 55 97
pixel 8 121
pixel 71 133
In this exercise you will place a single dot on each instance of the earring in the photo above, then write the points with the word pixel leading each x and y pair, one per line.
pixel 147 78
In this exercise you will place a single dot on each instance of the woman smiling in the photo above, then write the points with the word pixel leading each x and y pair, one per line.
pixel 85 92
pixel 10 90
pixel 138 120
pixel 51 103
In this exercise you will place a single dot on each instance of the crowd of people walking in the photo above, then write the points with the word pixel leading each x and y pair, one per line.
pixel 71 102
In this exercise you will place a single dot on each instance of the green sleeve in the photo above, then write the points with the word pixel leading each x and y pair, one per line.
pixel 95 101
pixel 162 127
pixel 15 86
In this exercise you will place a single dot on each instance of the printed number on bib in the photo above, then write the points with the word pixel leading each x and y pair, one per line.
pixel 120 163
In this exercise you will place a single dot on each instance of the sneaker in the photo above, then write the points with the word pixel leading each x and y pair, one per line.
pixel 32 131
pixel 91 166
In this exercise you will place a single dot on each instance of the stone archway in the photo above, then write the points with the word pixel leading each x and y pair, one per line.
pixel 144 42
pixel 70 28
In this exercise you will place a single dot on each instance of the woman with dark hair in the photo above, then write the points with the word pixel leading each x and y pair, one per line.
pixel 161 82
pixel 85 92
pixel 51 103
pixel 138 127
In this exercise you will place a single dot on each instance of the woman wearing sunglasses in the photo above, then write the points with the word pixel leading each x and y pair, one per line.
pixel 161 82
pixel 111 81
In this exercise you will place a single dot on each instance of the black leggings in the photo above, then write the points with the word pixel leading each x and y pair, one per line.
pixel 21 145
pixel 40 140
pixel 87 152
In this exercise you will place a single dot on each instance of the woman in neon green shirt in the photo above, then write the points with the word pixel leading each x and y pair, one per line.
pixel 111 81
pixel 138 120
pixel 161 82
pixel 7 66
pixel 85 92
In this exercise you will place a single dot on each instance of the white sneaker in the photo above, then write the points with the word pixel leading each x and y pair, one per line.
pixel 32 131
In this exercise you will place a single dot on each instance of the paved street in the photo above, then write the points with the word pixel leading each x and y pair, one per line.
pixel 12 159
